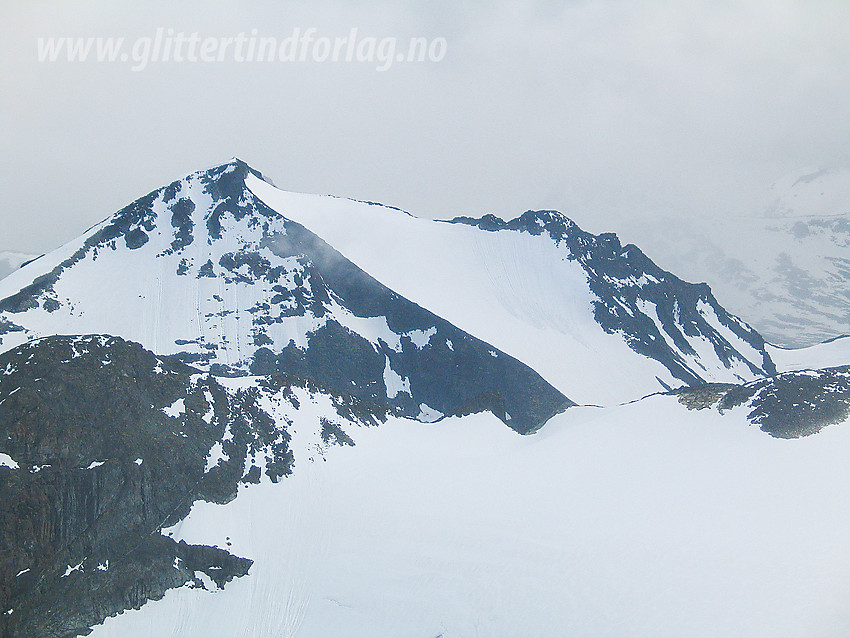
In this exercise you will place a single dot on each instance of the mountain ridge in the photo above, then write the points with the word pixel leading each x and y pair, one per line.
pixel 590 250
pixel 203 270
pixel 226 336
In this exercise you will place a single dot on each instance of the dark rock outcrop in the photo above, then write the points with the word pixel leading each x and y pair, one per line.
pixel 110 444
pixel 789 405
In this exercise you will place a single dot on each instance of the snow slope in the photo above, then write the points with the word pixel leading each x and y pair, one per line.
pixel 835 352
pixel 523 293
pixel 646 520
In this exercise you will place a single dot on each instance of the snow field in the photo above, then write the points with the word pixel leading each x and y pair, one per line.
pixel 644 520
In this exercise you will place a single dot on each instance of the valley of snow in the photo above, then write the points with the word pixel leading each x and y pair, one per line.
pixel 645 520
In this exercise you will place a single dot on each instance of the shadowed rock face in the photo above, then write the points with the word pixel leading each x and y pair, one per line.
pixel 290 282
pixel 787 406
pixel 105 445
pixel 445 369
pixel 102 468
pixel 626 282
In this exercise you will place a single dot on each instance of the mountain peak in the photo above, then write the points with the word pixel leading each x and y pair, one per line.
pixel 236 276
pixel 205 271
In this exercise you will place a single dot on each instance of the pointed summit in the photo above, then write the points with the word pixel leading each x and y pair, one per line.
pixel 229 273
pixel 206 272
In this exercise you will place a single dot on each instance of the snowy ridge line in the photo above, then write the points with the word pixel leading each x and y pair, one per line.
pixel 203 270
pixel 535 280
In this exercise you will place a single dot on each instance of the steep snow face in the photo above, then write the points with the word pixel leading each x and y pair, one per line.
pixel 596 319
pixel 204 270
pixel 645 520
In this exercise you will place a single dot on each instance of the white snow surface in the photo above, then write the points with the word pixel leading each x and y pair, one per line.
pixel 645 520
pixel 8 461
pixel 395 383
pixel 823 355
pixel 215 456
pixel 70 570
pixel 513 290
pixel 427 414
pixel 175 409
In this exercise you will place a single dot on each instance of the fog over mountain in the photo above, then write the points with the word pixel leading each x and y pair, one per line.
pixel 785 268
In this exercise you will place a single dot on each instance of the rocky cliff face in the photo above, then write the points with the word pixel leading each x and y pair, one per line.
pixel 677 323
pixel 103 445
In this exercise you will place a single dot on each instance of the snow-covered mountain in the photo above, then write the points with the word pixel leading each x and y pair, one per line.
pixel 785 269
pixel 235 274
pixel 566 302
pixel 232 410
pixel 203 270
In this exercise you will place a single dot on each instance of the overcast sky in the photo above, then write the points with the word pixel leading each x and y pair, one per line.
pixel 607 111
